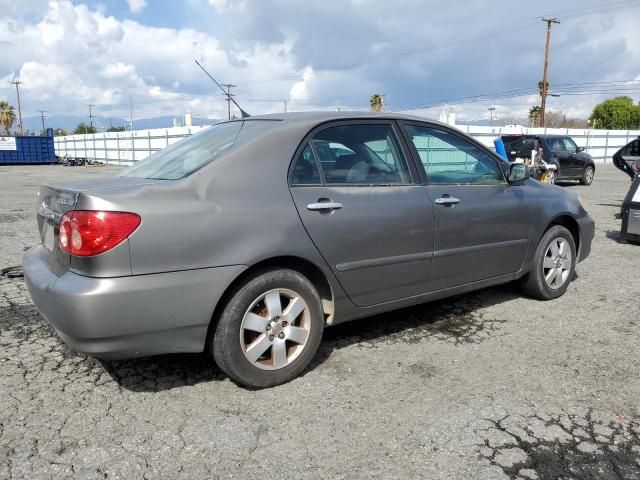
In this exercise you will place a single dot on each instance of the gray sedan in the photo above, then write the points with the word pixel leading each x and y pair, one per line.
pixel 251 237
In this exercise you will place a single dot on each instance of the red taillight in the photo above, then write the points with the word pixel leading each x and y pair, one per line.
pixel 89 232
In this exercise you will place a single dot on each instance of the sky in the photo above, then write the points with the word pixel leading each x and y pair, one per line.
pixel 423 56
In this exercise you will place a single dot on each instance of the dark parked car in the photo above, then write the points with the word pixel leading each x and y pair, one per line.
pixel 247 239
pixel 572 162
pixel 627 158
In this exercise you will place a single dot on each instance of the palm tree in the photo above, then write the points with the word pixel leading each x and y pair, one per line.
pixel 376 102
pixel 534 113
pixel 7 116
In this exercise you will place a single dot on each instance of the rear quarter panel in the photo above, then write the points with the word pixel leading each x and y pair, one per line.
pixel 236 211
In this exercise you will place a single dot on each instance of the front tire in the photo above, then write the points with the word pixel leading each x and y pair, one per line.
pixel 587 176
pixel 270 329
pixel 553 265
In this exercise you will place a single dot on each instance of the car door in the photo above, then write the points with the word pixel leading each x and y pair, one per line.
pixel 557 147
pixel 353 188
pixel 575 158
pixel 482 224
pixel 629 155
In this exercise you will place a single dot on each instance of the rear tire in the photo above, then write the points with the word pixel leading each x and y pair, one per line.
pixel 551 177
pixel 270 329
pixel 587 176
pixel 554 265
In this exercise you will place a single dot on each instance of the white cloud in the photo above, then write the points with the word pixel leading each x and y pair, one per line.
pixel 74 55
pixel 137 6
pixel 326 54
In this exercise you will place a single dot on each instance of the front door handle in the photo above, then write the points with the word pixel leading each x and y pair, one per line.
pixel 319 206
pixel 447 201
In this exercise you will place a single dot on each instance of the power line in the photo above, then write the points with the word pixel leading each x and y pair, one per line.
pixel 521 92
pixel 567 15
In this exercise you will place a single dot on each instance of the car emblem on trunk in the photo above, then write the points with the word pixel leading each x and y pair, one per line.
pixel 45 211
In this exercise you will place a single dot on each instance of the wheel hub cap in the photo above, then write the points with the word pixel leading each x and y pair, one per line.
pixel 557 263
pixel 275 329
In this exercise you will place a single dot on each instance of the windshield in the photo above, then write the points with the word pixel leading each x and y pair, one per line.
pixel 187 156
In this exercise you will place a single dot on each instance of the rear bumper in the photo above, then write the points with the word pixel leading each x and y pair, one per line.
pixel 128 316
pixel 587 231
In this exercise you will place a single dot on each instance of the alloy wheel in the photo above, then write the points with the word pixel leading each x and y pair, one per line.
pixel 551 177
pixel 588 175
pixel 557 263
pixel 275 329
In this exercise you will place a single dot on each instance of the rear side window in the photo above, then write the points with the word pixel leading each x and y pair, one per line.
pixel 186 156
pixel 569 145
pixel 556 144
pixel 361 154
pixel 632 149
pixel 305 170
pixel 448 159
pixel 513 143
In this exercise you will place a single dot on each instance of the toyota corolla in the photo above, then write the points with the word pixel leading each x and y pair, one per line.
pixel 248 239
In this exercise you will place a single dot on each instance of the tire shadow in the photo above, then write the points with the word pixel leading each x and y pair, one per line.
pixel 455 320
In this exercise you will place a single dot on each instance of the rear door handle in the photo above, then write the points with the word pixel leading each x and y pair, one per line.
pixel 324 206
pixel 447 201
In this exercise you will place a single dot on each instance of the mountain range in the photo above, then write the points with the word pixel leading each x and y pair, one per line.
pixel 70 122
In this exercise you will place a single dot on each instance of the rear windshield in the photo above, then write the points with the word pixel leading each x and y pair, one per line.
pixel 186 156
pixel 519 143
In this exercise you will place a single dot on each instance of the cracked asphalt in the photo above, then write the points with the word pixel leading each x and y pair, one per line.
pixel 485 385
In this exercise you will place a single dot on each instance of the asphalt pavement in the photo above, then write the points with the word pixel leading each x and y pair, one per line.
pixel 486 385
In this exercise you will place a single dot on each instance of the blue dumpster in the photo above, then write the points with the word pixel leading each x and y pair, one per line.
pixel 26 150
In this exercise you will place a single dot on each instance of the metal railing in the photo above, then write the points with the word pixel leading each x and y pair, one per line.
pixel 124 148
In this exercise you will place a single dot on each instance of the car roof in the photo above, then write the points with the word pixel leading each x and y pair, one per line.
pixel 327 116
pixel 533 135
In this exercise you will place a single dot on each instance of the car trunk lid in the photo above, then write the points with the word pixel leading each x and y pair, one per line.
pixel 54 200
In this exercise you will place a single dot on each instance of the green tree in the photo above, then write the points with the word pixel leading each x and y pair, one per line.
pixel 115 129
pixel 83 128
pixel 534 114
pixel 616 113
pixel 7 116
pixel 376 102
pixel 60 132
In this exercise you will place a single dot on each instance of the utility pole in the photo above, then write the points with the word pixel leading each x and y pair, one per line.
pixel 90 116
pixel 228 93
pixel 16 83
pixel 491 109
pixel 545 85
pixel 284 102
pixel 131 111
pixel 43 113
pixel 133 142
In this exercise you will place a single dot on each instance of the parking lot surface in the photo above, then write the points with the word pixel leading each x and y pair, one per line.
pixel 486 385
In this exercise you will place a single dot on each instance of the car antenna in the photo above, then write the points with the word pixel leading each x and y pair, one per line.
pixel 229 97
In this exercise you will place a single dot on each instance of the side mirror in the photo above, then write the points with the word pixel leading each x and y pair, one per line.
pixel 519 172
pixel 580 149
